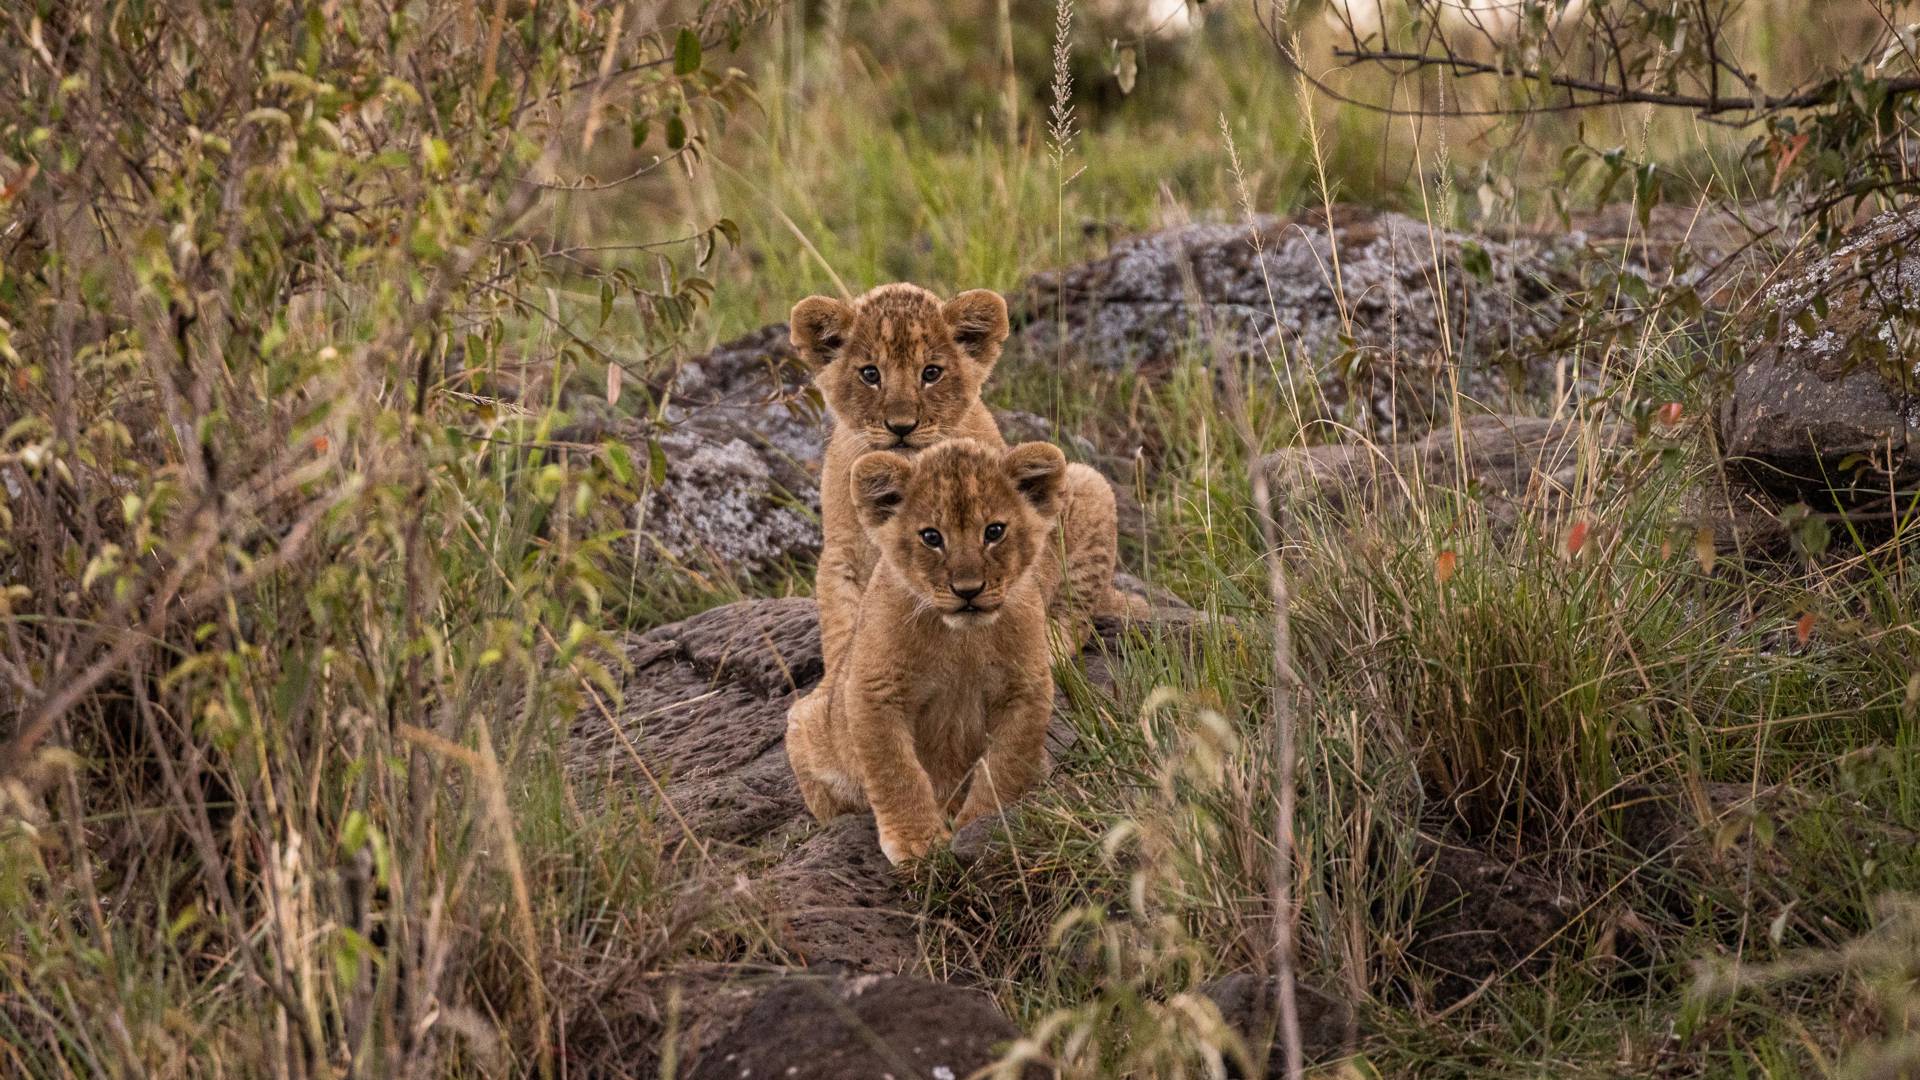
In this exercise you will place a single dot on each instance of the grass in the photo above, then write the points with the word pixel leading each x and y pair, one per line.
pixel 1519 701
pixel 1512 700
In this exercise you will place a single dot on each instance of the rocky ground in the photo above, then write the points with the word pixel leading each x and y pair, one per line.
pixel 702 716
pixel 702 713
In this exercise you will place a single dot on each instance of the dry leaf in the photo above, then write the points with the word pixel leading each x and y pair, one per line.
pixel 1703 548
pixel 1126 68
pixel 613 384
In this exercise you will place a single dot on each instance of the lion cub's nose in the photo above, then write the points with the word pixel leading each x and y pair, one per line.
pixel 902 428
pixel 967 590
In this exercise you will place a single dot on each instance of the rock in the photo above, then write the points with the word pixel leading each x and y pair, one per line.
pixel 1482 917
pixel 740 445
pixel 805 1027
pixel 730 506
pixel 702 725
pixel 1246 1003
pixel 839 903
pixel 1018 426
pixel 972 842
pixel 1511 463
pixel 1742 520
pixel 703 719
pixel 758 383
pixel 1365 286
pixel 1825 401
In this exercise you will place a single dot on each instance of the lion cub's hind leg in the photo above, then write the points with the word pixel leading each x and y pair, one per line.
pixel 828 790
pixel 1087 547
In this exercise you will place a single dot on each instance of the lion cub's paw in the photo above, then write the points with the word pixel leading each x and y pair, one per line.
pixel 909 845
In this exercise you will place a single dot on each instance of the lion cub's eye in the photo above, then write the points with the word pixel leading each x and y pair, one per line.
pixel 870 375
pixel 995 531
pixel 930 374
pixel 931 537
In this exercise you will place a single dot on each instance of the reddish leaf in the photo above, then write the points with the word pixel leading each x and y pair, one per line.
pixel 1669 413
pixel 1803 629
pixel 1789 153
pixel 320 444
pixel 1444 565
pixel 1577 538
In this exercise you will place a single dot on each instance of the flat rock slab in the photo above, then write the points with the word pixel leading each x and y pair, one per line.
pixel 805 1027
pixel 839 903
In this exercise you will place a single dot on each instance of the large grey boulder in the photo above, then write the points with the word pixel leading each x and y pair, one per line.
pixel 1375 310
pixel 1825 399
pixel 729 504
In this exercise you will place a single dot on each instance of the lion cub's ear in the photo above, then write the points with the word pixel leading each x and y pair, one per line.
pixel 978 318
pixel 879 484
pixel 1039 471
pixel 818 328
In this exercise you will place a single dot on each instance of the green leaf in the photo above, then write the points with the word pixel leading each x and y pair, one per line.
pixel 686 52
pixel 656 462
pixel 619 462
pixel 676 132
pixel 1476 261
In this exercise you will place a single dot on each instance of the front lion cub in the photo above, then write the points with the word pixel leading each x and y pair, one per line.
pixel 947 687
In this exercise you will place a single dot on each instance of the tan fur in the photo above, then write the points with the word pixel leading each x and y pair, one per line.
pixel 900 330
pixel 944 698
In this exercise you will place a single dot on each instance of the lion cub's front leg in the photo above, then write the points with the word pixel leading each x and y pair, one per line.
pixel 1016 757
pixel 904 809
pixel 826 784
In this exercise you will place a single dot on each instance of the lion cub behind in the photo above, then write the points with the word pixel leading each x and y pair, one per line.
pixel 946 689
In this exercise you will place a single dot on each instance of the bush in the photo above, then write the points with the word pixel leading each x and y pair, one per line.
pixel 281 657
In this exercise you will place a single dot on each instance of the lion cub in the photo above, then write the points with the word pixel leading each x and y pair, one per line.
pixel 947 687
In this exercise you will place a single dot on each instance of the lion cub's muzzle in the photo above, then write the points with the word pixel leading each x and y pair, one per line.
pixel 881 437
pixel 973 606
